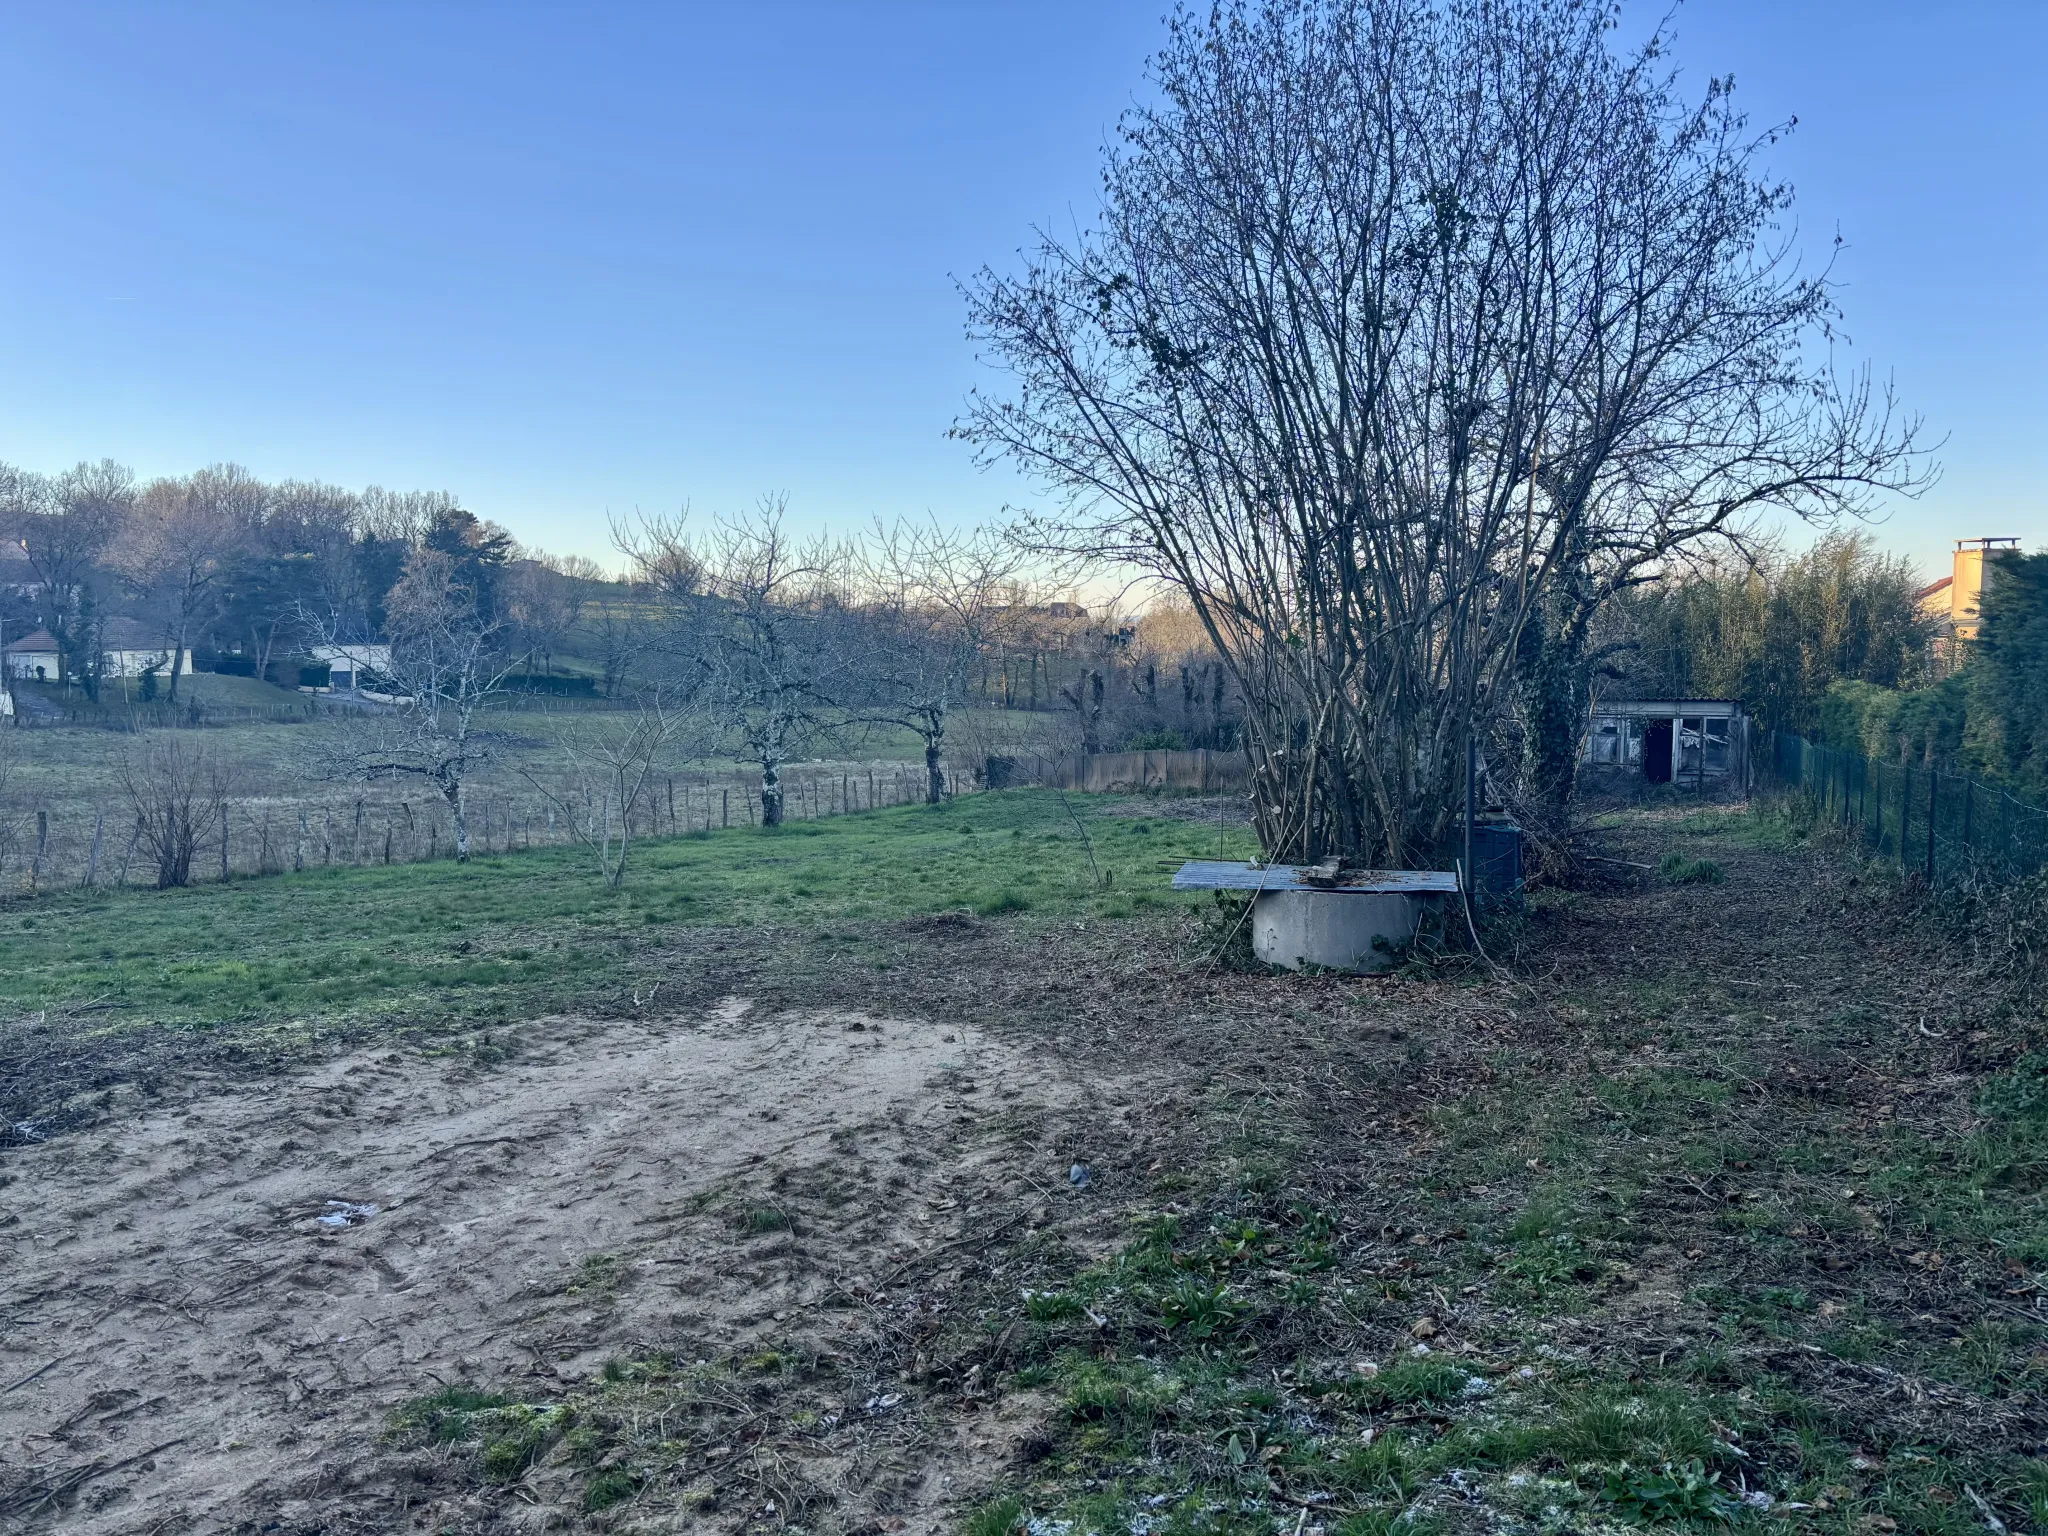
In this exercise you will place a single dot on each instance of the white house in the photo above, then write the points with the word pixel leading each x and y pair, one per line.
pixel 32 658
pixel 130 648
pixel 346 664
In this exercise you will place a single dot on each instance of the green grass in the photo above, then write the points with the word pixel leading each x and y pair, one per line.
pixel 1678 869
pixel 536 929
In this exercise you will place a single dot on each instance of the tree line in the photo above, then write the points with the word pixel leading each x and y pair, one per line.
pixel 221 564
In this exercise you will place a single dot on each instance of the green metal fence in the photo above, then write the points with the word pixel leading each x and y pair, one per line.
pixel 1939 824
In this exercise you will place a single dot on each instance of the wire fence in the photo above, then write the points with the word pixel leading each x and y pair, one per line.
pixel 1940 825
pixel 77 845
pixel 85 843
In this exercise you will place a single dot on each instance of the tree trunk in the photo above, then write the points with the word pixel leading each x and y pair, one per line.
pixel 177 657
pixel 1552 687
pixel 934 773
pixel 771 796
pixel 458 812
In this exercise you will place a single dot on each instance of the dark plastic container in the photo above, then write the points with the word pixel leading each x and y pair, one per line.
pixel 1496 860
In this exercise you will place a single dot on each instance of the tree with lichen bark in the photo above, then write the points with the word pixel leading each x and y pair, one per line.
pixel 755 624
pixel 932 607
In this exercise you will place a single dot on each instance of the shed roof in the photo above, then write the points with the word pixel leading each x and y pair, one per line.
pixel 35 641
pixel 1656 707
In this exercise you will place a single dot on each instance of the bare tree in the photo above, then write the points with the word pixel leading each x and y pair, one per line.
pixel 621 636
pixel 933 604
pixel 610 778
pixel 179 796
pixel 544 601
pixel 449 662
pixel 65 525
pixel 756 625
pixel 176 544
pixel 1403 320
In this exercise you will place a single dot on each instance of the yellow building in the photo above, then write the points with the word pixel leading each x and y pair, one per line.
pixel 1952 601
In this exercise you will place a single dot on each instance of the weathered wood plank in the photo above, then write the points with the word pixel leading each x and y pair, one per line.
pixel 1218 875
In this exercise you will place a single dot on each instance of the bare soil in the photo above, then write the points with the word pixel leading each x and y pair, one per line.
pixel 191 1348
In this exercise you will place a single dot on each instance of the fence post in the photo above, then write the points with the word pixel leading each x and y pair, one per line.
pixel 92 865
pixel 724 808
pixel 299 848
pixel 1969 807
pixel 35 869
pixel 1905 808
pixel 223 846
pixel 1933 785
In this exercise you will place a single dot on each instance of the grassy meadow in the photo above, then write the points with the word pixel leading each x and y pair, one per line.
pixel 534 930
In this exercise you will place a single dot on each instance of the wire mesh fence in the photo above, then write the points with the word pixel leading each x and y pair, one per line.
pixel 1940 825
pixel 97 845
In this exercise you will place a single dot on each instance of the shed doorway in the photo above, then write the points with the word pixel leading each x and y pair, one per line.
pixel 1657 751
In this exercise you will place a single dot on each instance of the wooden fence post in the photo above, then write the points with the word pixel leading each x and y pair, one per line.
pixel 223 846
pixel 128 858
pixel 724 808
pixel 299 848
pixel 92 865
pixel 35 869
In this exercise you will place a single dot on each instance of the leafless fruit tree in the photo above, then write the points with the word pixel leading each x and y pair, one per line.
pixel 756 626
pixel 932 604
pixel 179 795
pixel 1403 320
pixel 610 778
pixel 611 775
pixel 448 661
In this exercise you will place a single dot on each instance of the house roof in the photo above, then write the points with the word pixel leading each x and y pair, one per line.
pixel 35 641
pixel 1935 586
pixel 119 634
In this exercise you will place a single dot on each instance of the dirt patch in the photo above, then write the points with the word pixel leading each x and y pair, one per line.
pixel 213 1311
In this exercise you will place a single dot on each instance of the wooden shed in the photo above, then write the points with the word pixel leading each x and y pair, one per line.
pixel 1698 744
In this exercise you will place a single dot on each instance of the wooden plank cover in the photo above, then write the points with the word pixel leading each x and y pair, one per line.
pixel 1218 875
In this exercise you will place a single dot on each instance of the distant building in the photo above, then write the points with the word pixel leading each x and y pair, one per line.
pixel 347 664
pixel 32 658
pixel 1693 743
pixel 130 648
pixel 1952 602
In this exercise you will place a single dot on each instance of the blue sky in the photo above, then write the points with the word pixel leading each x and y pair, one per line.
pixel 571 260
